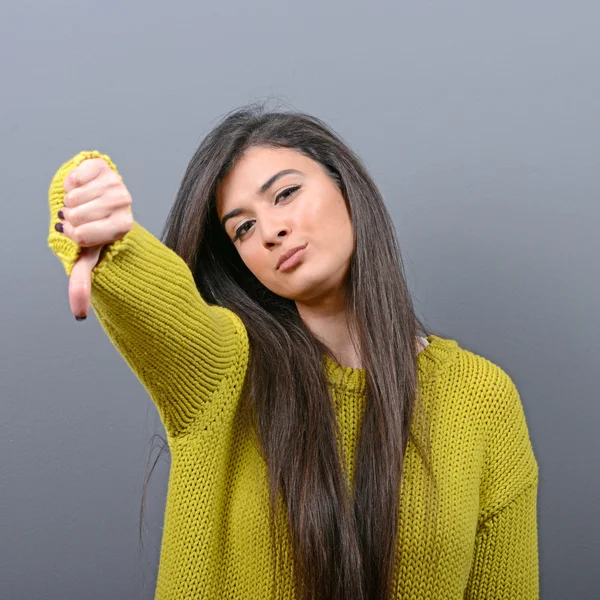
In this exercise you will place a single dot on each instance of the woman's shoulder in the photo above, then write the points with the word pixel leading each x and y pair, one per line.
pixel 485 375
pixel 475 398
pixel 472 377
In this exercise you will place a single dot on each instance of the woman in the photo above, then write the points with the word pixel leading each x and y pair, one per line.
pixel 320 447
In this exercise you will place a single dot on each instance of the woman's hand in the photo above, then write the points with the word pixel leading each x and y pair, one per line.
pixel 97 212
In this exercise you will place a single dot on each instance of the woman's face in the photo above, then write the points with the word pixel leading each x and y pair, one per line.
pixel 276 199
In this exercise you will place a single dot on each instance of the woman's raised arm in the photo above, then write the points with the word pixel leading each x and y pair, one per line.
pixel 144 296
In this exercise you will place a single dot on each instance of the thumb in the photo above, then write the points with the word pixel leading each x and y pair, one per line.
pixel 80 281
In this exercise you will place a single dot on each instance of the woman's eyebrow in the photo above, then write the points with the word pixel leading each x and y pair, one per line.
pixel 261 190
pixel 267 184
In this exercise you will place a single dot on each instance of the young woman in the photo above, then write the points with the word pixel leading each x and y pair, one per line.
pixel 321 448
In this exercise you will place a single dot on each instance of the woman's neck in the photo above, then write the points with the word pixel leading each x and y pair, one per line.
pixel 330 325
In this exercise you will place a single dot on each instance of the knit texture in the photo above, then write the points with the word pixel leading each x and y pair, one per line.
pixel 478 543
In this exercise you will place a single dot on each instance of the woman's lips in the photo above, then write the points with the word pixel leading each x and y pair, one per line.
pixel 293 260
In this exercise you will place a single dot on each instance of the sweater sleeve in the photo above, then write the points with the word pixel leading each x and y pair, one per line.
pixel 505 558
pixel 145 297
pixel 505 561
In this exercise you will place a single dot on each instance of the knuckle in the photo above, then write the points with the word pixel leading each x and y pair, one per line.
pixel 70 199
pixel 121 225
pixel 95 164
pixel 78 236
pixel 110 203
pixel 119 194
pixel 112 184
pixel 128 222
pixel 71 216
pixel 124 196
pixel 110 178
pixel 71 181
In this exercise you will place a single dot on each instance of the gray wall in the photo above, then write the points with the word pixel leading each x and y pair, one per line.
pixel 478 120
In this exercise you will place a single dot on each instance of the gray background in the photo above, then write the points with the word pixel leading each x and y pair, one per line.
pixel 478 120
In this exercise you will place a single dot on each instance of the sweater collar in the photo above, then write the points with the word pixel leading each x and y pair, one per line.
pixel 439 352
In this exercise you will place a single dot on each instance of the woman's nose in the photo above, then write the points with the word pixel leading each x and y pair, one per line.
pixel 274 232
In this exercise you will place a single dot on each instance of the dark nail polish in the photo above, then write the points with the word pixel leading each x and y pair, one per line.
pixel 81 318
pixel 61 215
pixel 59 227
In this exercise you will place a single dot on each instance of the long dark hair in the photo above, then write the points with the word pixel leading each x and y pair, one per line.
pixel 344 541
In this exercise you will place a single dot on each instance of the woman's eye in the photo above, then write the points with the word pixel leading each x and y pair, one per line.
pixel 283 195
pixel 240 231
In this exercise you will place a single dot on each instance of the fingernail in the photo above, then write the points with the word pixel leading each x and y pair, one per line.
pixel 59 227
pixel 81 318
pixel 61 215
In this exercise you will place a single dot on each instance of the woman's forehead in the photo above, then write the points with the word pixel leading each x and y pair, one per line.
pixel 257 162
pixel 254 168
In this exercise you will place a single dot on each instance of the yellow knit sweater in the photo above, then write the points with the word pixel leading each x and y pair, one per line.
pixel 192 357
